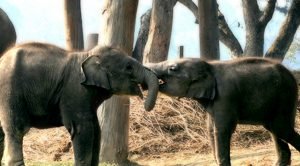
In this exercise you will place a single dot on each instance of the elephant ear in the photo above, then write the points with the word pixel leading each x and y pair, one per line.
pixel 93 74
pixel 203 86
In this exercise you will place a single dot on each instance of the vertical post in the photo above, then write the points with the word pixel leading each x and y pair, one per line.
pixel 209 33
pixel 181 51
pixel 73 25
pixel 117 31
pixel 92 40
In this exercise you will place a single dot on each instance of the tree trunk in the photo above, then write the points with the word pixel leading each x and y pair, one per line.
pixel 117 30
pixel 286 34
pixel 73 25
pixel 157 46
pixel 209 33
pixel 256 22
pixel 142 36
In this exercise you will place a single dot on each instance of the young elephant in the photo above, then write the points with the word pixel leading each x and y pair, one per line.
pixel 44 86
pixel 245 91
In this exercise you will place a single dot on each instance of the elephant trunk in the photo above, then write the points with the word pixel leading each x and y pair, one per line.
pixel 151 81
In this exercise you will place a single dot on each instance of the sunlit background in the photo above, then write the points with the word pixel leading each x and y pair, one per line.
pixel 37 20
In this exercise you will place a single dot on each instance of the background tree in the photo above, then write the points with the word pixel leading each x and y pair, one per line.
pixel 209 38
pixel 256 21
pixel 73 25
pixel 117 30
pixel 157 46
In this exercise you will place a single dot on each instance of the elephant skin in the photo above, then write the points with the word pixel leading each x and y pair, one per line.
pixel 243 91
pixel 7 32
pixel 45 86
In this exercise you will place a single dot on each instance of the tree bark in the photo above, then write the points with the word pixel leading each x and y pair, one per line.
pixel 256 22
pixel 209 34
pixel 117 31
pixel 73 25
pixel 286 34
pixel 142 36
pixel 157 46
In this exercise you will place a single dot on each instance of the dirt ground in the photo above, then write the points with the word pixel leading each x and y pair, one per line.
pixel 54 145
pixel 174 134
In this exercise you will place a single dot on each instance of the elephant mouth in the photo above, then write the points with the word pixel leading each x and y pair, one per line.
pixel 162 84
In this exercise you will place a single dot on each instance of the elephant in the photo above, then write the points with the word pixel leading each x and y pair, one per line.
pixel 256 91
pixel 7 32
pixel 45 86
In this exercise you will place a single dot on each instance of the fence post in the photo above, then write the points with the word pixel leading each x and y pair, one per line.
pixel 181 51
pixel 92 40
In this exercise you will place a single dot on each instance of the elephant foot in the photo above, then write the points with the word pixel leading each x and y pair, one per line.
pixel 283 163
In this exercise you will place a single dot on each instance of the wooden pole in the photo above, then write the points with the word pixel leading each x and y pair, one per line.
pixel 92 40
pixel 73 25
pixel 209 33
pixel 181 51
pixel 117 31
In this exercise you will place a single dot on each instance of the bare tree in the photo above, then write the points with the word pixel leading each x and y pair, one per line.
pixel 209 38
pixel 157 46
pixel 142 36
pixel 256 21
pixel 117 31
pixel 73 25
pixel 287 33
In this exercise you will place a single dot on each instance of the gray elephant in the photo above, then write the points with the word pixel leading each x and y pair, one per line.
pixel 7 32
pixel 44 86
pixel 243 91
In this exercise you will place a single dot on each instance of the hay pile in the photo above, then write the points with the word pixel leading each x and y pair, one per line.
pixel 180 124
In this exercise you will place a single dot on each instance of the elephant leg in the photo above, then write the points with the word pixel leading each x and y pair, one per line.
pixel 290 136
pixel 13 149
pixel 1 144
pixel 224 127
pixel 210 128
pixel 82 134
pixel 96 145
pixel 283 151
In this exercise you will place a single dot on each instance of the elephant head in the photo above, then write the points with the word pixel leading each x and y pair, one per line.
pixel 185 78
pixel 115 71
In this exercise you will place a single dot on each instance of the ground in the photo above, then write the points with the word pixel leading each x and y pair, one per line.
pixel 54 145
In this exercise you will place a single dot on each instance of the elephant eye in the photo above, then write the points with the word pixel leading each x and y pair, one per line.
pixel 129 68
pixel 173 67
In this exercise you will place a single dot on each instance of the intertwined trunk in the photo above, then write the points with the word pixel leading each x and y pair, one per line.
pixel 117 30
pixel 73 25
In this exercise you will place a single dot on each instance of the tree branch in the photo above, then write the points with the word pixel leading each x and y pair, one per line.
pixel 287 33
pixel 225 34
pixel 267 13
pixel 227 37
pixel 192 6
